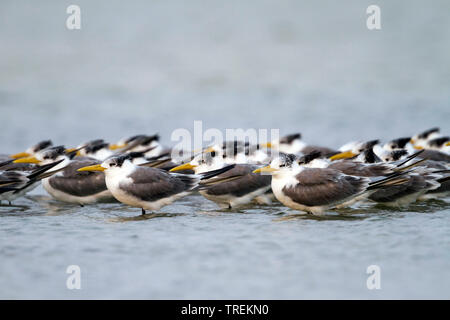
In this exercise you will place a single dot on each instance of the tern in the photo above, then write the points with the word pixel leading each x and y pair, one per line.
pixel 147 188
pixel 234 188
pixel 293 144
pixel 67 184
pixel 315 190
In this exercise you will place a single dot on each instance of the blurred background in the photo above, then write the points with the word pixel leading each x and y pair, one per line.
pixel 154 66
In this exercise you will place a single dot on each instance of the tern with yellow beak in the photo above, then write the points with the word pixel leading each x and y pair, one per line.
pixel 67 184
pixel 15 184
pixel 293 144
pixel 147 188
pixel 315 190
pixel 234 188
pixel 353 149
pixel 140 143
pixel 420 140
pixel 418 181
pixel 31 151
pixel 95 149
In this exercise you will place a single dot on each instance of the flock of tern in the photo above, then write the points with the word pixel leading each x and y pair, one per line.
pixel 139 171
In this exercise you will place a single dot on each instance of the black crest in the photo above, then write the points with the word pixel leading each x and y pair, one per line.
pixel 54 152
pixel 119 160
pixel 426 133
pixel 397 154
pixel 136 137
pixel 400 143
pixel 42 145
pixel 288 159
pixel 291 137
pixel 370 156
pixel 92 148
pixel 371 143
pixel 149 139
pixel 438 142
pixel 307 158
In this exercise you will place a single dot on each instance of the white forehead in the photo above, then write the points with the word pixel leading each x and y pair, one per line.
pixel 350 146
pixel 276 162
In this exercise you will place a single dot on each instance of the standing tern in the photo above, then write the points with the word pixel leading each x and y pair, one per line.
pixel 144 187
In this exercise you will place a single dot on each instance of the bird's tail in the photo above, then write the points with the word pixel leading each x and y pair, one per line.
pixel 213 173
pixel 40 173
pixel 409 158
pixel 192 181
pixel 5 163
pixel 392 180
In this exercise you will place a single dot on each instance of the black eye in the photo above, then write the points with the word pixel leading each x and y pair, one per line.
pixel 112 164
pixel 213 154
pixel 282 165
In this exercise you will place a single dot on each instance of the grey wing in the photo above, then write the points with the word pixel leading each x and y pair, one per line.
pixel 317 187
pixel 12 178
pixel 435 155
pixel 244 182
pixel 24 167
pixel 80 184
pixel 432 164
pixel 413 184
pixel 151 184
pixel 326 152
pixel 361 170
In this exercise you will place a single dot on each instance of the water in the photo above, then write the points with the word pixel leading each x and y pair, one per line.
pixel 154 67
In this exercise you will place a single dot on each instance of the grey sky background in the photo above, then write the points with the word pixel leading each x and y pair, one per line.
pixel 154 66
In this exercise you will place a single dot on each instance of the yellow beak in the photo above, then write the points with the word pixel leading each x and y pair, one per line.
pixel 186 166
pixel 70 150
pixel 265 169
pixel 96 167
pixel 20 155
pixel 412 141
pixel 266 145
pixel 447 144
pixel 418 147
pixel 343 155
pixel 27 160
pixel 116 146
pixel 208 150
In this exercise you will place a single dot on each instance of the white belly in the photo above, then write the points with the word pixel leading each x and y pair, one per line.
pixel 126 198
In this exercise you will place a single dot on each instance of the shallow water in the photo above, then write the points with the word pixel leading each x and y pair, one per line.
pixel 193 250
pixel 154 67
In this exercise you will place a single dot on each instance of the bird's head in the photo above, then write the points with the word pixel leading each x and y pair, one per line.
pixel 202 162
pixel 353 149
pixel 46 156
pixel 31 151
pixel 113 163
pixel 280 165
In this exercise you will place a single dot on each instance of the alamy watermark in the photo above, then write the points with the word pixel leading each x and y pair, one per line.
pixel 373 21
pixel 189 143
pixel 74 280
pixel 374 279
pixel 73 21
